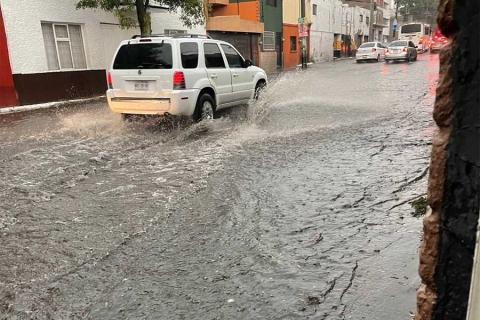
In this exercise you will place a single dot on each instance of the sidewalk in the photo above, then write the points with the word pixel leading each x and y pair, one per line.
pixel 31 107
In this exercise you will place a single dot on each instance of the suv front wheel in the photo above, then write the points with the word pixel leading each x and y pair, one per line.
pixel 205 109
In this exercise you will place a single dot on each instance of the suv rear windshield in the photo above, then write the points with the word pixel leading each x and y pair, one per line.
pixel 144 56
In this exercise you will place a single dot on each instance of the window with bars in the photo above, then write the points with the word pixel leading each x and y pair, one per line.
pixel 64 46
pixel 314 9
pixel 269 41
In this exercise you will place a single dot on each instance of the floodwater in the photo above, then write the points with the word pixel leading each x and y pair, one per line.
pixel 296 207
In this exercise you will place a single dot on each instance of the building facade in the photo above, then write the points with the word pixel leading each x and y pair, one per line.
pixel 325 29
pixel 272 17
pixel 237 23
pixel 292 46
pixel 356 24
pixel 58 53
pixel 253 27
pixel 291 49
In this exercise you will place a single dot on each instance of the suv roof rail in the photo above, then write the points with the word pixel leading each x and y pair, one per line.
pixel 150 36
pixel 175 36
pixel 189 35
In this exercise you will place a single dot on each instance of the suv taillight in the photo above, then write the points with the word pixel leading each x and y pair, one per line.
pixel 109 81
pixel 373 49
pixel 178 80
pixel 405 49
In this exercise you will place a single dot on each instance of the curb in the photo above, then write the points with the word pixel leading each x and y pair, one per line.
pixel 45 105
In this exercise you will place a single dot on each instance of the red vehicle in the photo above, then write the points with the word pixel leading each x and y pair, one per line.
pixel 438 41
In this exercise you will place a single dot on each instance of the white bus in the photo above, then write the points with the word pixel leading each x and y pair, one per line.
pixel 418 33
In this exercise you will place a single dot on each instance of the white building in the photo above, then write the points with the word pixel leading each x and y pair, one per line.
pixel 356 22
pixel 325 28
pixel 56 52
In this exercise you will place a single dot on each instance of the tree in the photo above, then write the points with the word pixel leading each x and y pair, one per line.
pixel 193 11
pixel 420 10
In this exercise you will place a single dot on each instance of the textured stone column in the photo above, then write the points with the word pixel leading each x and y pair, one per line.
pixel 446 253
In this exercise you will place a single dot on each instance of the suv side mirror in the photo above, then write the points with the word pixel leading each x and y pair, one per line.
pixel 416 47
pixel 248 63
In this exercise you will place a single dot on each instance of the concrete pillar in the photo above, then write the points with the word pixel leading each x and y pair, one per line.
pixel 447 250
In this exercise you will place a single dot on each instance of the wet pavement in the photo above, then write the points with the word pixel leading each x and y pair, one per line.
pixel 296 207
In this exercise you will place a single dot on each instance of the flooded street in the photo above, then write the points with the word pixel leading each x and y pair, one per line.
pixel 296 207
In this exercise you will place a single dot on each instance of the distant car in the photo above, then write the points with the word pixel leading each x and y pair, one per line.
pixel 438 41
pixel 370 51
pixel 184 75
pixel 401 50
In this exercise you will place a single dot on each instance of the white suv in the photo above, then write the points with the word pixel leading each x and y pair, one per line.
pixel 188 75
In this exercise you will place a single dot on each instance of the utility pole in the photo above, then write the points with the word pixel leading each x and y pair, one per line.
pixel 303 38
pixel 370 26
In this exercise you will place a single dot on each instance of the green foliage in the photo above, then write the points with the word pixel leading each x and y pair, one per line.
pixel 420 207
pixel 421 10
pixel 192 11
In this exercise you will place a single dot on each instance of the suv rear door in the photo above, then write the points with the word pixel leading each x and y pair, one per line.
pixel 218 74
pixel 144 69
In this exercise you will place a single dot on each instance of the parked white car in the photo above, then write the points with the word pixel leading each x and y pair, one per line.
pixel 370 51
pixel 185 75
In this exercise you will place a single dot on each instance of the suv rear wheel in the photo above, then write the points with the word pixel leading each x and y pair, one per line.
pixel 205 109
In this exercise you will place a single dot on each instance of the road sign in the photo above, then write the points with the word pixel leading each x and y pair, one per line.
pixel 302 30
pixel 301 20
pixel 395 25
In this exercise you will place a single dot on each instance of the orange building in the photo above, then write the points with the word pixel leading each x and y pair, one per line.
pixel 237 23
pixel 291 46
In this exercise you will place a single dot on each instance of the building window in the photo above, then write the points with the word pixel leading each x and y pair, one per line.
pixel 293 44
pixel 64 46
pixel 361 18
pixel 367 20
pixel 170 32
pixel 269 41
pixel 314 10
pixel 271 3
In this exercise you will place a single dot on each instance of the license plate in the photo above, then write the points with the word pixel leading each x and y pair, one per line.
pixel 141 86
pixel 365 56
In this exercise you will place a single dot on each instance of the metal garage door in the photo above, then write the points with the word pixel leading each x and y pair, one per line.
pixel 246 44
